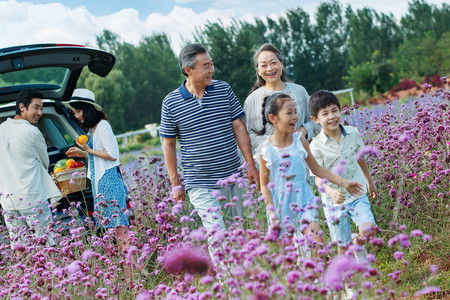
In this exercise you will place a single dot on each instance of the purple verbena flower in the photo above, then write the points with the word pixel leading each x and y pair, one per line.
pixel 74 267
pixel 398 255
pixel 416 232
pixel 190 260
pixel 428 290
pixel 206 280
pixel 366 150
pixel 339 168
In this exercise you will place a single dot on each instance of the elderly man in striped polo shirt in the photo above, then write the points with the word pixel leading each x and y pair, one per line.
pixel 205 115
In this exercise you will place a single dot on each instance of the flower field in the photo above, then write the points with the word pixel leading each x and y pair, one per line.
pixel 169 259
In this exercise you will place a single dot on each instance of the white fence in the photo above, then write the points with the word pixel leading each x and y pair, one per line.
pixel 149 128
pixel 350 90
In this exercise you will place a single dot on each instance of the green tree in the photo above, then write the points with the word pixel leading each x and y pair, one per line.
pixel 315 56
pixel 423 17
pixel 425 56
pixel 443 47
pixel 330 48
pixel 295 47
pixel 152 69
pixel 231 48
pixel 114 93
pixel 110 42
pixel 362 77
pixel 374 40
pixel 372 32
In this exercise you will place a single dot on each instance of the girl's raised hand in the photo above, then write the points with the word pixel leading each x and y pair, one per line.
pixel 354 188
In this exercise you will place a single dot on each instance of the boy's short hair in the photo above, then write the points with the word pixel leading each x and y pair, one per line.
pixel 320 100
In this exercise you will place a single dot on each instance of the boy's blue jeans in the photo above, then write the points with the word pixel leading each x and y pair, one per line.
pixel 338 219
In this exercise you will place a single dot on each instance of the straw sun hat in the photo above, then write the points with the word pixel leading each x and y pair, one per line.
pixel 83 95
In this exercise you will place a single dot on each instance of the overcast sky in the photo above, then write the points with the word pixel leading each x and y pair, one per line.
pixel 80 21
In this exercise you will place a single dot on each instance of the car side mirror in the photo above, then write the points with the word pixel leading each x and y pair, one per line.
pixel 100 66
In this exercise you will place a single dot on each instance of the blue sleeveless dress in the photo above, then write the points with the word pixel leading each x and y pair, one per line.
pixel 292 198
pixel 113 191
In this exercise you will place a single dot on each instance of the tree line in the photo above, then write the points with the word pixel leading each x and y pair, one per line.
pixel 336 48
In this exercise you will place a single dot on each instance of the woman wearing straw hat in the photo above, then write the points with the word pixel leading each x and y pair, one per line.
pixel 102 152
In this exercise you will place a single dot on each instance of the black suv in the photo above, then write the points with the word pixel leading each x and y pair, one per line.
pixel 53 69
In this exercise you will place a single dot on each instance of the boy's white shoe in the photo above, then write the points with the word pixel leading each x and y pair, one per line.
pixel 348 293
pixel 360 255
pixel 303 251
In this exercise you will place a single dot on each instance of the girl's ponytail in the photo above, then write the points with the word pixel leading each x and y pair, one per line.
pixel 264 120
pixel 271 105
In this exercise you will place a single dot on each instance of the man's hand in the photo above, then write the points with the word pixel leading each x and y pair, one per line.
pixel 178 193
pixel 253 174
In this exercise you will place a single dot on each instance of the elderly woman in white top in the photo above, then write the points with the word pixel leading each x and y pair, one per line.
pixel 270 79
pixel 102 152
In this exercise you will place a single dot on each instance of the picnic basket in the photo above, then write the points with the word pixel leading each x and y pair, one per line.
pixel 63 181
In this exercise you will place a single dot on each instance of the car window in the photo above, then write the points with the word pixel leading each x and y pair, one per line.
pixel 49 75
pixel 54 133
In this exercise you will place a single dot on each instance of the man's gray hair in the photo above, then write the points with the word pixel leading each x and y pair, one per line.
pixel 187 56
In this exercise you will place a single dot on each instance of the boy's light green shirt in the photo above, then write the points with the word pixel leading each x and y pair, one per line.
pixel 328 152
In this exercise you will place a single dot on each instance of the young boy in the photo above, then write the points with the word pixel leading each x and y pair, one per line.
pixel 336 143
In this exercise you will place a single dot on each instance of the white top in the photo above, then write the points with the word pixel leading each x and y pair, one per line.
pixel 253 112
pixel 291 150
pixel 24 177
pixel 104 140
pixel 328 152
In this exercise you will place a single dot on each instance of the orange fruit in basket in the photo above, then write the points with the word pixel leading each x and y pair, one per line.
pixel 56 170
pixel 70 163
pixel 83 139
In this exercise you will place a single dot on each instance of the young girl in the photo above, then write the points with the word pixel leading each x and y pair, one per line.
pixel 281 164
pixel 102 152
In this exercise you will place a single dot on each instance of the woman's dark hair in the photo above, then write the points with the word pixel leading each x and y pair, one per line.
pixel 271 106
pixel 320 100
pixel 91 116
pixel 259 80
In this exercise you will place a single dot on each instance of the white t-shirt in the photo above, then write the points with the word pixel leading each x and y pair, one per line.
pixel 24 179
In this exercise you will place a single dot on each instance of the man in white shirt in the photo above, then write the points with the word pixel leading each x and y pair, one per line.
pixel 25 185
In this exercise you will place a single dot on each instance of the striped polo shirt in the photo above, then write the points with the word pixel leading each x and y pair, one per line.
pixel 203 127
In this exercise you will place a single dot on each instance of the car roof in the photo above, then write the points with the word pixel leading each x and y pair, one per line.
pixel 66 60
